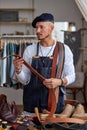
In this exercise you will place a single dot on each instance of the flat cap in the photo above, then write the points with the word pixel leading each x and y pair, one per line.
pixel 43 18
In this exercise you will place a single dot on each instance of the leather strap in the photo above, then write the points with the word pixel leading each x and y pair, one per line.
pixel 54 94
pixel 64 120
pixel 60 67
pixel 56 50
pixel 61 60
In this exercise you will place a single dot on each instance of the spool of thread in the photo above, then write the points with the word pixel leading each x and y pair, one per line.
pixel 4 124
pixel 15 126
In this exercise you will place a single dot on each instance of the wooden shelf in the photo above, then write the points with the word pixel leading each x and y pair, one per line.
pixel 17 9
pixel 13 23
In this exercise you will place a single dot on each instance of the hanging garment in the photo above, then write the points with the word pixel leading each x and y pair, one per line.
pixel 4 66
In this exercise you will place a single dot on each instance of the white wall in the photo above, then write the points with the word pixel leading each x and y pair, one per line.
pixel 12 94
pixel 63 10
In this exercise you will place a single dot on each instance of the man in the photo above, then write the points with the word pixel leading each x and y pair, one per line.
pixel 38 55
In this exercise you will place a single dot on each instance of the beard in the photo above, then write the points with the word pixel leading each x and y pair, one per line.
pixel 42 37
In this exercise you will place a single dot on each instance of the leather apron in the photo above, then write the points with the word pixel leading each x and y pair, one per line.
pixel 35 94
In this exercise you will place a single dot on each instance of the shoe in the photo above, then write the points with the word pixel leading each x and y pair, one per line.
pixel 79 110
pixel 67 112
pixel 45 113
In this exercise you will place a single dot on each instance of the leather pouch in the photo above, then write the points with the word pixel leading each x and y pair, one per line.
pixel 8 112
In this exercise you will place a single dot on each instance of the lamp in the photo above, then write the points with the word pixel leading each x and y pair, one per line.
pixel 71 27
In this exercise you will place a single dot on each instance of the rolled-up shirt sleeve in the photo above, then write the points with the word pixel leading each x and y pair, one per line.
pixel 23 78
pixel 69 69
pixel 25 74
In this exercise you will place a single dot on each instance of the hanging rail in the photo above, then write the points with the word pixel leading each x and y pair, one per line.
pixel 18 36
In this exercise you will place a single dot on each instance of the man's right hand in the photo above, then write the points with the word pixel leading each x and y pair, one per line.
pixel 18 64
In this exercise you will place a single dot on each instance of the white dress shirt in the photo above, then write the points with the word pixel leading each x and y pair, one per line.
pixel 30 51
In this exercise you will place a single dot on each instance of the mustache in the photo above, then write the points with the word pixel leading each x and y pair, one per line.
pixel 38 34
pixel 43 37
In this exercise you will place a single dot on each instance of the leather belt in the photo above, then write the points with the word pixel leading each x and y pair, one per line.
pixel 65 120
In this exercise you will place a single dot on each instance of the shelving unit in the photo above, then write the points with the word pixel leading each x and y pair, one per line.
pixel 15 23
pixel 23 21
pixel 16 9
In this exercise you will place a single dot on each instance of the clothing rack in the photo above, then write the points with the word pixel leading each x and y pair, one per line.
pixel 18 36
pixel 12 44
pixel 32 38
pixel 8 45
pixel 17 39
